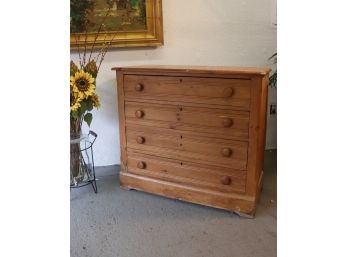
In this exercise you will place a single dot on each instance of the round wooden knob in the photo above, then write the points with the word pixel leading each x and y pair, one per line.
pixel 140 140
pixel 226 152
pixel 227 122
pixel 139 87
pixel 139 114
pixel 141 165
pixel 225 180
pixel 228 92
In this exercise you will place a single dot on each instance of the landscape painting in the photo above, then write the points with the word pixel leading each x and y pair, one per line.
pixel 127 15
pixel 124 22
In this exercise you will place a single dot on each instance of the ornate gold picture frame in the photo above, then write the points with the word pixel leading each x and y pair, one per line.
pixel 124 23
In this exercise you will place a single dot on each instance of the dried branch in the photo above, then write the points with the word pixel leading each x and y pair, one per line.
pixel 105 51
pixel 102 49
pixel 98 32
pixel 85 46
pixel 106 43
pixel 78 49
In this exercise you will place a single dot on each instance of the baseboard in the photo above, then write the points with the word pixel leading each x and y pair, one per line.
pixel 110 170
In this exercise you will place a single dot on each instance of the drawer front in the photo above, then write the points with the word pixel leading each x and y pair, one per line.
pixel 223 123
pixel 210 177
pixel 214 91
pixel 174 145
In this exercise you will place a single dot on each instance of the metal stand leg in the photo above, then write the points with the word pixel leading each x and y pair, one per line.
pixel 94 185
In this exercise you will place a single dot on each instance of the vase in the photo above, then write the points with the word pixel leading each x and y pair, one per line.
pixel 76 158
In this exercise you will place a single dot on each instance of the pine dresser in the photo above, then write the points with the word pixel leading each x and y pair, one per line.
pixel 194 133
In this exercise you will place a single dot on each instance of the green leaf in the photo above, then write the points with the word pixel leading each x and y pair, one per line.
pixel 75 115
pixel 83 107
pixel 273 80
pixel 88 118
pixel 274 57
pixel 89 104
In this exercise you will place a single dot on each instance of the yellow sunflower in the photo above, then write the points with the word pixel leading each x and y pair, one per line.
pixel 95 100
pixel 75 101
pixel 82 84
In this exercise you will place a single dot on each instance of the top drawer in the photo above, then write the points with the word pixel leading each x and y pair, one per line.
pixel 214 91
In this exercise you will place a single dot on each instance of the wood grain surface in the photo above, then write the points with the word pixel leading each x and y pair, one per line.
pixel 194 133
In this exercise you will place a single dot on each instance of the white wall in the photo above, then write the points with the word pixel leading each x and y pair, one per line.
pixel 196 32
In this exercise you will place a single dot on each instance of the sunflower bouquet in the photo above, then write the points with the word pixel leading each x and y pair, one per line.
pixel 83 97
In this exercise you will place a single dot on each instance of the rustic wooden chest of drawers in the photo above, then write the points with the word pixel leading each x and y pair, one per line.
pixel 194 133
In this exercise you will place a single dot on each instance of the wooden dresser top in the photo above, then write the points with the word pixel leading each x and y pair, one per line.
pixel 196 69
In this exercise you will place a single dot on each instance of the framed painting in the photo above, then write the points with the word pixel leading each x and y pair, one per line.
pixel 122 23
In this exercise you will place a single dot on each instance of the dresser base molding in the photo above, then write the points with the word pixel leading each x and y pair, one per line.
pixel 242 205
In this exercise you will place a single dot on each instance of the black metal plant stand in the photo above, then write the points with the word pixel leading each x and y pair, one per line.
pixel 81 159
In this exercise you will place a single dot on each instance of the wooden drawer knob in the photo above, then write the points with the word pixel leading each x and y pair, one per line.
pixel 226 152
pixel 140 140
pixel 141 165
pixel 139 87
pixel 228 92
pixel 139 114
pixel 227 122
pixel 225 180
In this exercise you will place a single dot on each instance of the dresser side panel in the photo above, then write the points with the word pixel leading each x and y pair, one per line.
pixel 263 125
pixel 254 136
